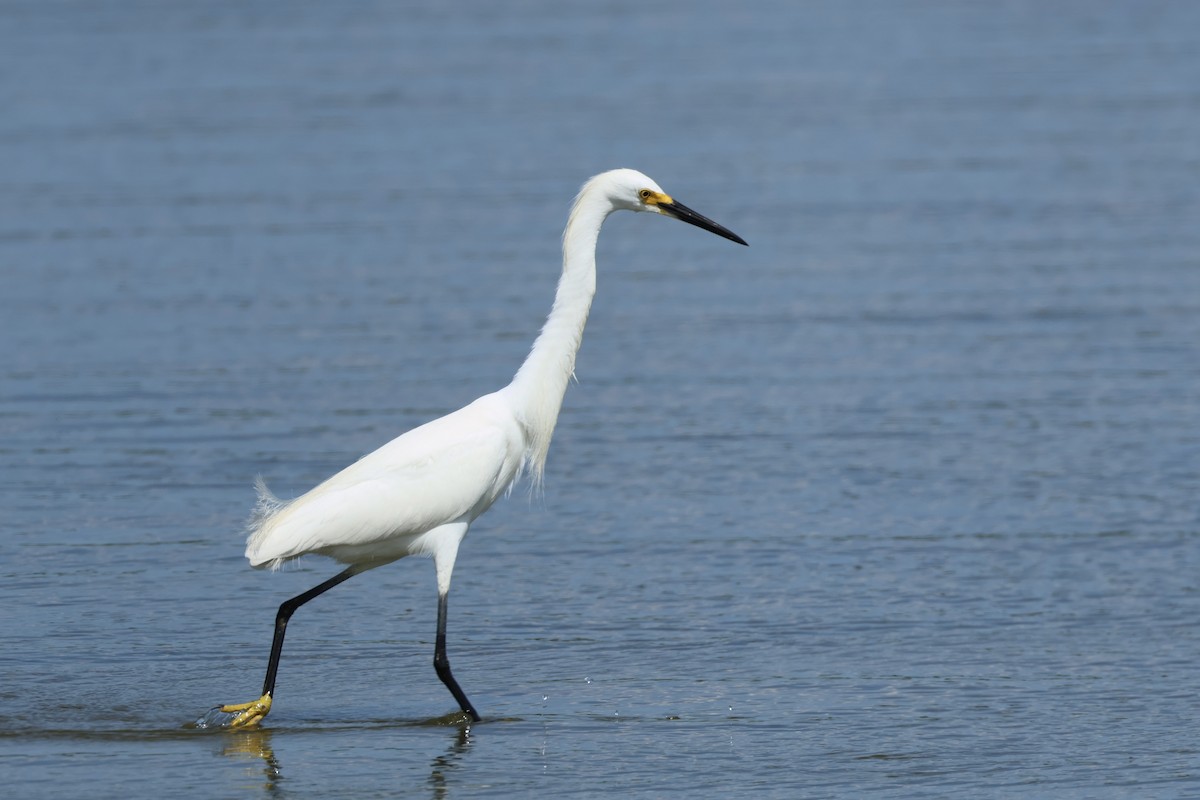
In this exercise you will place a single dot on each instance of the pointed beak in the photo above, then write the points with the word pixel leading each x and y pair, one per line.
pixel 681 212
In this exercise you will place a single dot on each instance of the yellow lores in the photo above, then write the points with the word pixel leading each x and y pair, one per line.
pixel 653 198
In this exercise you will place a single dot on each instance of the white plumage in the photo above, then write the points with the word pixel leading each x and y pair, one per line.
pixel 419 493
pixel 446 472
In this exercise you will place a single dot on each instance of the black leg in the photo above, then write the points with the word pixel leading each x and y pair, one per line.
pixel 285 613
pixel 442 664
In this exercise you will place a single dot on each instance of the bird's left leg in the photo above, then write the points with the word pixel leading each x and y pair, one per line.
pixel 248 715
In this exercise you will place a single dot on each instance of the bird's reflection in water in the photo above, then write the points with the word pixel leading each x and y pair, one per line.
pixel 446 763
pixel 256 743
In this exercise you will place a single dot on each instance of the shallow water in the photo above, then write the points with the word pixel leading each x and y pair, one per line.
pixel 899 501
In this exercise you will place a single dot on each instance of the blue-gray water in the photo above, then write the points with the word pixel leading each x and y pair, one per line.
pixel 900 501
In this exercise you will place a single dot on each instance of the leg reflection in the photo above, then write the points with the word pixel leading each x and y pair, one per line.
pixel 446 763
pixel 251 744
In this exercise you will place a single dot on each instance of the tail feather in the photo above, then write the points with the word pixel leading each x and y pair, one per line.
pixel 265 509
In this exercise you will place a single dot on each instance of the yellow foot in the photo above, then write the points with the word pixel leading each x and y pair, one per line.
pixel 246 715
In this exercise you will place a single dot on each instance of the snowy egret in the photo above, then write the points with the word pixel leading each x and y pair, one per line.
pixel 419 493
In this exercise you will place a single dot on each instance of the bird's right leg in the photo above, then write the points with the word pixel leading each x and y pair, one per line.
pixel 441 663
pixel 248 715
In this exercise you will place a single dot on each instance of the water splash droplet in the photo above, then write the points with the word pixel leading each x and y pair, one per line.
pixel 214 718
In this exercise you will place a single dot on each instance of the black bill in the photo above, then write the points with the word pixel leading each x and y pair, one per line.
pixel 685 214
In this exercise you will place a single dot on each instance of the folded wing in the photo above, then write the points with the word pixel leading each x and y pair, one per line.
pixel 450 469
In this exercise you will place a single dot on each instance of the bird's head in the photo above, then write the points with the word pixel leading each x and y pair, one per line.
pixel 631 190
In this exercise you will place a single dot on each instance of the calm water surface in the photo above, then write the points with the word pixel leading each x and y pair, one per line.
pixel 900 501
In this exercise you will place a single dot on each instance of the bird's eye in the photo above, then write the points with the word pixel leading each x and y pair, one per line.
pixel 645 194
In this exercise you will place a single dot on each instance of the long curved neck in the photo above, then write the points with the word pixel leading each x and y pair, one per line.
pixel 539 385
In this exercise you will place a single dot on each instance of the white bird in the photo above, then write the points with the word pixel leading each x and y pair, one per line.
pixel 420 492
